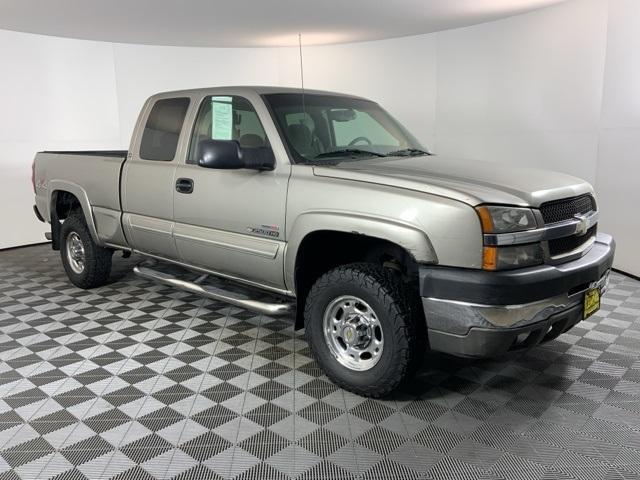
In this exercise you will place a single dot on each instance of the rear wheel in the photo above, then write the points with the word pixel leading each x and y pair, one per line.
pixel 87 265
pixel 360 327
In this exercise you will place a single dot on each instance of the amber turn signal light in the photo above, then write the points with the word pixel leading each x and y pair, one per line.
pixel 485 219
pixel 489 258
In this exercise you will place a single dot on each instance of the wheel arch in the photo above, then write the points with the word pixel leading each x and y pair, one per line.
pixel 349 239
pixel 64 198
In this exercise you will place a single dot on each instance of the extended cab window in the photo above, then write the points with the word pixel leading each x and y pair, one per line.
pixel 227 118
pixel 162 131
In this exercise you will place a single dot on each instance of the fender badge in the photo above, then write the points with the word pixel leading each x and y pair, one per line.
pixel 265 230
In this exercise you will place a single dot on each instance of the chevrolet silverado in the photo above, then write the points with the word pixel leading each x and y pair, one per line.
pixel 323 207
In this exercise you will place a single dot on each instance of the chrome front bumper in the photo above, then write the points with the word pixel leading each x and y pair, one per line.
pixel 507 316
pixel 478 313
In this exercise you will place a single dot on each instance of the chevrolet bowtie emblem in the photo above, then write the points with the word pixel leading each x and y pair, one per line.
pixel 583 224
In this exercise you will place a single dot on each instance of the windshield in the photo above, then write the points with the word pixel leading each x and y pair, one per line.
pixel 332 128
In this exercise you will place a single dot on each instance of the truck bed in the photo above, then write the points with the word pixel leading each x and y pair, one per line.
pixel 93 177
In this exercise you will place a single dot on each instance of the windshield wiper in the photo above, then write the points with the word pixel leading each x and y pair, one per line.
pixel 344 152
pixel 408 152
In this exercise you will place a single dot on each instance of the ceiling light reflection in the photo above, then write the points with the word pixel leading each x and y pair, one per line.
pixel 308 39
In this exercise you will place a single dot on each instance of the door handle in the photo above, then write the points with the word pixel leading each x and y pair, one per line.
pixel 184 185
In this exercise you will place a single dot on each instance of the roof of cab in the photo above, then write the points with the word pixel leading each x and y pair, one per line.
pixel 260 90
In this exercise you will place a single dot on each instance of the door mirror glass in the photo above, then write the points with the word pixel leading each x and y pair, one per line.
pixel 228 154
pixel 223 154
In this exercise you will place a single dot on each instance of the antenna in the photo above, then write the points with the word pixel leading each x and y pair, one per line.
pixel 304 110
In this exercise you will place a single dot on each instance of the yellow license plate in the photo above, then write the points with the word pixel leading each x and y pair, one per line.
pixel 591 302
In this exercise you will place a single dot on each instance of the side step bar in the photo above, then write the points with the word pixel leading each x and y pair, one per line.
pixel 272 309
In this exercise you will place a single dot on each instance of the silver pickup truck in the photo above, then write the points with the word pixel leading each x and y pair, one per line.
pixel 322 206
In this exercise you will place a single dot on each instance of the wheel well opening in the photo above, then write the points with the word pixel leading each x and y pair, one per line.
pixel 322 251
pixel 62 205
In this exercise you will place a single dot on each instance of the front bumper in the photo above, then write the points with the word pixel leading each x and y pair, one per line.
pixel 475 313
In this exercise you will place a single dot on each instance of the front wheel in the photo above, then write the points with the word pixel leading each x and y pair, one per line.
pixel 361 330
pixel 87 265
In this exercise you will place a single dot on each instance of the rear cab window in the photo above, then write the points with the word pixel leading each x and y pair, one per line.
pixel 162 130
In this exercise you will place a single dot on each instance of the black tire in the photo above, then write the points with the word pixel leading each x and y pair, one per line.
pixel 97 260
pixel 384 293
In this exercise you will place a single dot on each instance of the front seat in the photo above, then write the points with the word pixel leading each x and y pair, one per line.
pixel 251 140
pixel 303 140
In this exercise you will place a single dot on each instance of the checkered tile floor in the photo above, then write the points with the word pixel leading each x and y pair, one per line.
pixel 136 381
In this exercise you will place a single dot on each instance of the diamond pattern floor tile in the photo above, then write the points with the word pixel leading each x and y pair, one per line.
pixel 137 381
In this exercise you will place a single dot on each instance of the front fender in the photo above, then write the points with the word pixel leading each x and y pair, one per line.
pixel 407 236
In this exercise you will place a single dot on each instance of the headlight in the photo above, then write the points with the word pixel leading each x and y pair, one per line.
pixel 499 219
pixel 505 258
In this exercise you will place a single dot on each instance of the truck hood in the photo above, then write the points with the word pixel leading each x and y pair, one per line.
pixel 470 181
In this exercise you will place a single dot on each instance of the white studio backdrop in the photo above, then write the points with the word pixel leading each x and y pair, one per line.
pixel 557 88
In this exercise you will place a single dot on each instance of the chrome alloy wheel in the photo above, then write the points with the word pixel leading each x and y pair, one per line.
pixel 353 333
pixel 75 253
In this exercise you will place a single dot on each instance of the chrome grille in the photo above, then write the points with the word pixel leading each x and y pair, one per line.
pixel 567 208
pixel 566 244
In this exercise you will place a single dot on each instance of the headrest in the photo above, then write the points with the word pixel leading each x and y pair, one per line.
pixel 251 140
pixel 300 134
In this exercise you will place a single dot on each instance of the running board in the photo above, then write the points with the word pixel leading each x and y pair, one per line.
pixel 274 309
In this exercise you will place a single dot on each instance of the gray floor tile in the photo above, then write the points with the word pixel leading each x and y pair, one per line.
pixel 138 381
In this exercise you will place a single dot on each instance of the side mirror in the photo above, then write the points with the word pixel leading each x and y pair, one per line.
pixel 228 154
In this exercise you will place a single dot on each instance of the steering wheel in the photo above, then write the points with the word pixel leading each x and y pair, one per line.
pixel 360 139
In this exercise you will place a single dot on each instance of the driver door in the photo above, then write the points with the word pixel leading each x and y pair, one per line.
pixel 231 221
